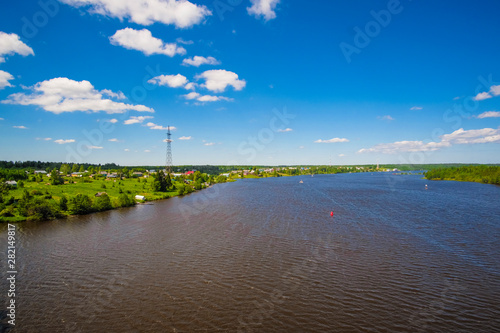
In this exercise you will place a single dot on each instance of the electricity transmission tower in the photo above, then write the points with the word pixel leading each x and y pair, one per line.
pixel 168 166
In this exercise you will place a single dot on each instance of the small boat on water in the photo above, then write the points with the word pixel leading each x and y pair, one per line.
pixel 301 182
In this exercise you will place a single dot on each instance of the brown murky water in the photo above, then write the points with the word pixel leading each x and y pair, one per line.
pixel 265 256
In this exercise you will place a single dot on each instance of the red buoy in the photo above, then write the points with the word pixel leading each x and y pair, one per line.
pixel 331 213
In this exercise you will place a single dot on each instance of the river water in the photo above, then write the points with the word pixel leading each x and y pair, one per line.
pixel 264 255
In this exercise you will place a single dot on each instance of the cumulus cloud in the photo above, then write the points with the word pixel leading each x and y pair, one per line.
pixel 44 139
pixel 11 44
pixel 416 108
pixel 460 136
pixel 334 140
pixel 205 98
pixel 217 80
pixel 181 13
pixel 173 81
pixel 61 94
pixel 154 126
pixel 113 121
pixel 197 61
pixel 285 130
pixel 136 120
pixel 264 8
pixel 341 155
pixel 62 142
pixel 388 118
pixel 485 135
pixel 94 147
pixel 185 138
pixel 489 114
pixel 209 144
pixel 482 96
pixel 4 79
pixel 20 127
pixel 494 91
pixel 143 40
pixel 113 140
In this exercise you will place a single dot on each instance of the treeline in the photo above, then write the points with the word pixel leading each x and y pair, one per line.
pixel 480 174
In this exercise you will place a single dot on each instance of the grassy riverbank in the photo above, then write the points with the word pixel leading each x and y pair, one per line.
pixel 40 200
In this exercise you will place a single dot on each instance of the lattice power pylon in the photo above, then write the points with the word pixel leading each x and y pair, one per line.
pixel 168 165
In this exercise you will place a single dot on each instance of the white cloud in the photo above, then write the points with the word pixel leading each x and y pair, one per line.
pixel 217 80
pixel 192 95
pixel 2 119
pixel 460 136
pixel 494 91
pixel 208 98
pixel 388 118
pixel 113 121
pixel 136 120
pixel 142 40
pixel 147 151
pixel 94 147
pixel 209 144
pixel 4 79
pixel 20 127
pixel 285 130
pixel 154 126
pixel 205 98
pixel 118 95
pixel 334 140
pixel 264 8
pixel 416 108
pixel 185 42
pixel 301 147
pixel 485 135
pixel 61 141
pixel 190 86
pixel 44 139
pixel 114 140
pixel 482 96
pixel 61 94
pixel 405 146
pixel 489 114
pixel 341 155
pixel 185 138
pixel 173 81
pixel 197 61
pixel 126 149
pixel 11 44
pixel 181 13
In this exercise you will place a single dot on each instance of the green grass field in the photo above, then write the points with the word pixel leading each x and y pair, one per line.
pixel 74 186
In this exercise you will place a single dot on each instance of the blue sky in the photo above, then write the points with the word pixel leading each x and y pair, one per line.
pixel 250 82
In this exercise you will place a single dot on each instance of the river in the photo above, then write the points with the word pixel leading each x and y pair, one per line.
pixel 264 255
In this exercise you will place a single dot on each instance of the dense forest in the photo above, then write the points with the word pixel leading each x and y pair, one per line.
pixel 480 174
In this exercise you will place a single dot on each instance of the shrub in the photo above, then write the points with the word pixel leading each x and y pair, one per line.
pixel 125 201
pixel 102 203
pixel 80 204
pixel 63 203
